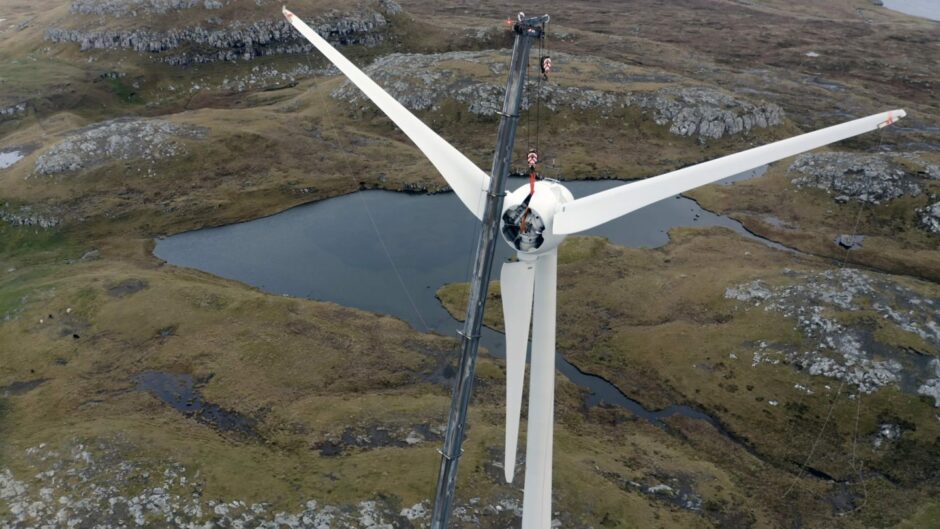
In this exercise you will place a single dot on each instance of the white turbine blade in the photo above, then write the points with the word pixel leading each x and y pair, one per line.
pixel 537 499
pixel 517 283
pixel 588 212
pixel 467 180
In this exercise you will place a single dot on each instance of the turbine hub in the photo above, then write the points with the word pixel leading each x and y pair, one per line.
pixel 527 217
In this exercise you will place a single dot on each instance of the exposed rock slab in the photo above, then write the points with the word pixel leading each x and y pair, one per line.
pixel 850 242
pixel 872 178
pixel 846 351
pixel 13 111
pixel 708 113
pixel 929 217
pixel 28 216
pixel 261 77
pixel 931 387
pixel 425 81
pixel 213 39
pixel 149 140
pixel 97 485
pixel 133 8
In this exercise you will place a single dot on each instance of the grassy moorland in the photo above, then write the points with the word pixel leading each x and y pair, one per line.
pixel 658 324
pixel 305 400
pixel 811 220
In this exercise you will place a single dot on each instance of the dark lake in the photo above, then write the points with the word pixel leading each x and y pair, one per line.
pixel 379 250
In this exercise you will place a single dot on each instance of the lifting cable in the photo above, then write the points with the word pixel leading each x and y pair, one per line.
pixel 538 93
pixel 534 154
pixel 330 125
pixel 528 110
pixel 855 464
pixel 545 66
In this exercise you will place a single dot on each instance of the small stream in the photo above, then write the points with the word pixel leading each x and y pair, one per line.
pixel 389 252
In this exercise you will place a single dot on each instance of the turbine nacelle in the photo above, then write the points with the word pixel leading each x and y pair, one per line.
pixel 527 222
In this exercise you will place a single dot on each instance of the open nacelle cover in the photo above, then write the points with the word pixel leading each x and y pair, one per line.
pixel 529 239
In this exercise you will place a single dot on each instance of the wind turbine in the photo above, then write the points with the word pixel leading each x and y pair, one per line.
pixel 534 220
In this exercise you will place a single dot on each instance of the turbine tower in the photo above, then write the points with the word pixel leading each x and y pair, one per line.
pixel 534 220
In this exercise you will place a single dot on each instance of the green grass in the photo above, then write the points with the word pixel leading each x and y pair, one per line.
pixel 15 290
pixel 31 243
pixel 125 92
pixel 926 517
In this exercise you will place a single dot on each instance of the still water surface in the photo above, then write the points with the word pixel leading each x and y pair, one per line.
pixel 919 8
pixel 9 158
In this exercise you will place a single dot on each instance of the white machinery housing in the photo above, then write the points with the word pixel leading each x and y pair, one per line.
pixel 538 237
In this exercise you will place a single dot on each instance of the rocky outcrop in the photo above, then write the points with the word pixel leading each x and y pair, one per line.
pixel 838 349
pixel 850 242
pixel 424 82
pixel 416 80
pixel 266 77
pixel 872 178
pixel 390 7
pixel 929 218
pixel 28 216
pixel 931 388
pixel 708 113
pixel 148 140
pixel 101 485
pixel 217 41
pixel 133 8
pixel 12 111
